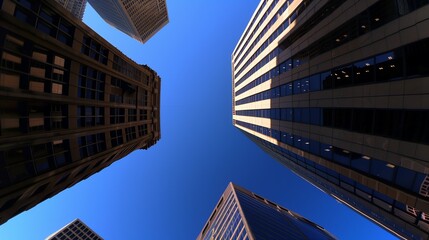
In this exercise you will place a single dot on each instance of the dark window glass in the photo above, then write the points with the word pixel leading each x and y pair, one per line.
pixel 327 117
pixel 315 83
pixel 381 126
pixel 388 66
pixel 326 151
pixel 343 77
pixel 297 115
pixel 341 156
pixel 327 80
pixel 305 85
pixel 315 116
pixel 364 71
pixel 382 12
pixel 415 53
pixel 296 87
pixel 414 123
pixel 361 163
pixel 362 120
pixel 305 115
pixel 314 147
pixel 342 118
pixel 382 170
pixel 405 177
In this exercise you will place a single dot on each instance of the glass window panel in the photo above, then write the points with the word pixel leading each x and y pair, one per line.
pixel 405 177
pixel 305 85
pixel 343 77
pixel 326 151
pixel 314 147
pixel 361 163
pixel 315 83
pixel 364 71
pixel 383 170
pixel 388 66
pixel 327 80
pixel 341 156
pixel 315 116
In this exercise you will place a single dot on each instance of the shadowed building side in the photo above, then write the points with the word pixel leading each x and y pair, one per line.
pixel 71 104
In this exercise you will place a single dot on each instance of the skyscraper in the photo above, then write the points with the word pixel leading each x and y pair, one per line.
pixel 76 7
pixel 71 104
pixel 241 214
pixel 140 19
pixel 75 230
pixel 338 92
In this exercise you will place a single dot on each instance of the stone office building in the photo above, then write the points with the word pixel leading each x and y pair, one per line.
pixel 71 104
pixel 338 92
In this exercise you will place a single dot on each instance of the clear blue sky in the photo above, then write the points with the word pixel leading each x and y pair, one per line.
pixel 169 191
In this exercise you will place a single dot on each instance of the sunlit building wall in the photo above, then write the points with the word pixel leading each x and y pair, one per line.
pixel 338 92
pixel 71 104
pixel 140 19
pixel 241 214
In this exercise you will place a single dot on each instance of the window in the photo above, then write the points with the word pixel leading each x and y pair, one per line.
pixel 42 155
pixel 90 116
pixel 91 144
pixel 364 71
pixel 143 98
pixel 130 133
pixel 9 118
pixel 94 50
pixel 388 66
pixel 142 130
pixel 116 137
pixel 11 57
pixel 343 77
pixel 414 53
pixel 45 20
pixel 314 83
pixel 132 115
pixel 91 83
pixel 125 68
pixel 117 115
pixel 143 114
pixel 18 164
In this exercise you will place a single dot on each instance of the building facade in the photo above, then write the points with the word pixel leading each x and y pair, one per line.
pixel 241 214
pixel 338 92
pixel 76 7
pixel 75 230
pixel 140 19
pixel 71 104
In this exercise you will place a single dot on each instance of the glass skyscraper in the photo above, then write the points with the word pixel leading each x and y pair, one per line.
pixel 338 92
pixel 241 214
pixel 140 19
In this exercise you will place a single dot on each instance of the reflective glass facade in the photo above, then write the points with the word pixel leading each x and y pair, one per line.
pixel 334 90
pixel 241 214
